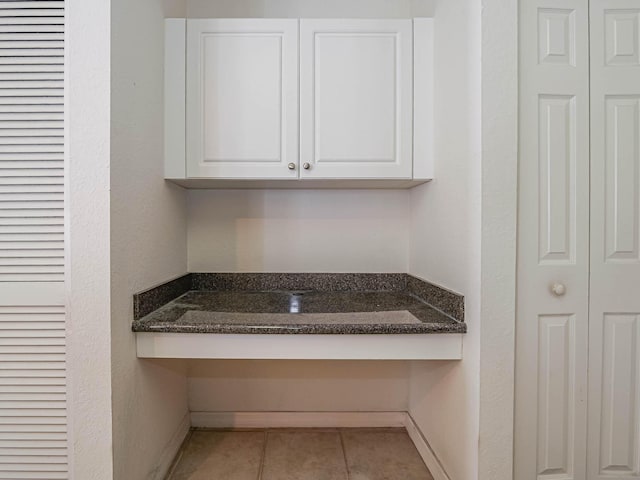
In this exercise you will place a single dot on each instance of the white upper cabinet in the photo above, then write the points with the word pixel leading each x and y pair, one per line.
pixel 356 98
pixel 290 103
pixel 242 98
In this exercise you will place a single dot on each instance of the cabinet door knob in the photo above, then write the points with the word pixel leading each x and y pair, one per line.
pixel 306 166
pixel 292 166
pixel 558 289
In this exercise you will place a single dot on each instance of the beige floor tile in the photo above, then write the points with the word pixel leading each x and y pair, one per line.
pixel 383 455
pixel 304 455
pixel 211 455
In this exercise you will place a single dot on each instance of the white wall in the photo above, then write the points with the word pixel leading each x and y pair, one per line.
pixel 148 243
pixel 499 210
pixel 301 8
pixel 87 267
pixel 312 386
pixel 445 239
pixel 298 231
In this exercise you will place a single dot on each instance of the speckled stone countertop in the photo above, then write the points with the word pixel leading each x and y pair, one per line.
pixel 257 303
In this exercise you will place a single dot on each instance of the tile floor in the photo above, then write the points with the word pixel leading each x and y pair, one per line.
pixel 299 454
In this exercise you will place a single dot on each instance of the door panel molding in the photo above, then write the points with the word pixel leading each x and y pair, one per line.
pixel 614 425
pixel 553 241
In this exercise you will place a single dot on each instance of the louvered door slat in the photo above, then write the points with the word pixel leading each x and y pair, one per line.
pixel 34 254
pixel 23 103
pixel 27 474
pixel 30 91
pixel 20 53
pixel 35 134
pixel 33 408
pixel 33 36
pixel 29 232
pixel 34 452
pixel 47 14
pixel 23 227
pixel 26 149
pixel 30 108
pixel 30 63
pixel 33 172
pixel 28 343
pixel 20 210
pixel 31 83
pixel 26 28
pixel 10 188
pixel 31 428
pixel 28 4
pixel 10 376
pixel 31 42
pixel 7 386
pixel 6 165
pixel 46 261
pixel 31 345
pixel 50 336
pixel 31 116
pixel 29 125
pixel 20 159
pixel 23 415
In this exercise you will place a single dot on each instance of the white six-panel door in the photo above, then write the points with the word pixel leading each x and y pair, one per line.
pixel 614 356
pixel 242 98
pixel 579 234
pixel 356 108
pixel 553 241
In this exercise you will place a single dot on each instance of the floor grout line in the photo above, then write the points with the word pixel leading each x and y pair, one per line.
pixel 275 470
pixel 264 453
pixel 344 454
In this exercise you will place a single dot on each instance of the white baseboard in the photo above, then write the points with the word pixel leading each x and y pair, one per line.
pixel 424 449
pixel 171 449
pixel 297 419
pixel 324 420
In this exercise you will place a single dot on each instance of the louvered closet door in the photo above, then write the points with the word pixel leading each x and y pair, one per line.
pixel 614 332
pixel 33 431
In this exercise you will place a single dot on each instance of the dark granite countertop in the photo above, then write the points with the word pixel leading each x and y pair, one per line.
pixel 398 307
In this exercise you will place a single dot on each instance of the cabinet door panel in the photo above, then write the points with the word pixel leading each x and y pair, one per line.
pixel 242 98
pixel 356 98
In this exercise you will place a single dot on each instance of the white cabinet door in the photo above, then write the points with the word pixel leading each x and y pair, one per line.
pixel 242 98
pixel 614 332
pixel 553 241
pixel 356 98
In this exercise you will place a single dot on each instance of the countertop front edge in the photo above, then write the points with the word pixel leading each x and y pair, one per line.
pixel 445 346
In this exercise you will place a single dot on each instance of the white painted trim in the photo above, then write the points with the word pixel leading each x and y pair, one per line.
pixel 444 346
pixel 424 449
pixel 175 38
pixel 297 419
pixel 172 448
pixel 423 105
pixel 249 184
